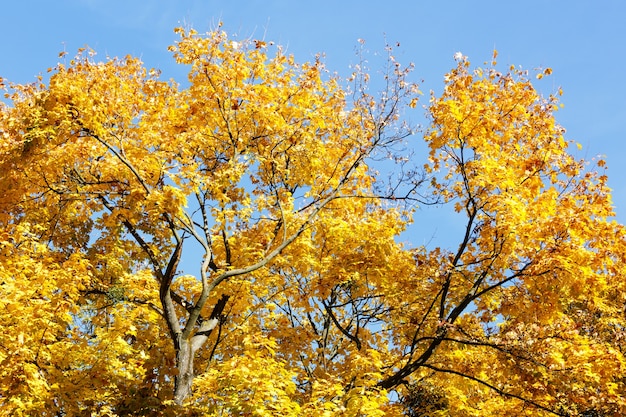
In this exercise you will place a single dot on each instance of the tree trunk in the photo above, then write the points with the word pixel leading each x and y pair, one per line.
pixel 186 350
pixel 184 365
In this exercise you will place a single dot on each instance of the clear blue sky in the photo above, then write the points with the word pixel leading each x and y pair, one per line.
pixel 584 42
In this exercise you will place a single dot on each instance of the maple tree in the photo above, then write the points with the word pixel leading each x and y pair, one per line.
pixel 226 246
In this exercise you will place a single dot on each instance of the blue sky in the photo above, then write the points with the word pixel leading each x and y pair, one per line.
pixel 584 42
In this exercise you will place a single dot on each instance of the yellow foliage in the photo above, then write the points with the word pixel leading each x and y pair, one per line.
pixel 226 246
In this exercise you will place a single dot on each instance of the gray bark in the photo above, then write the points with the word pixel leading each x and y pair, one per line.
pixel 184 365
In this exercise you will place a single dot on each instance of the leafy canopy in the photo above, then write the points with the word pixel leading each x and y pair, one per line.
pixel 225 246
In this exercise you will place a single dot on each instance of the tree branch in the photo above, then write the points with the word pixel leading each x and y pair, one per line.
pixel 496 389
